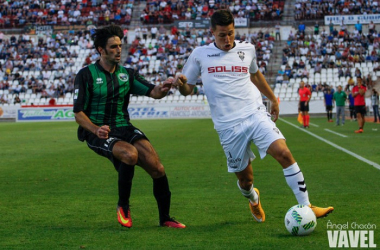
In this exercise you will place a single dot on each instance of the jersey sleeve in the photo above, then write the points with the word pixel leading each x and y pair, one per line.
pixel 192 68
pixel 354 90
pixel 81 84
pixel 139 85
pixel 253 68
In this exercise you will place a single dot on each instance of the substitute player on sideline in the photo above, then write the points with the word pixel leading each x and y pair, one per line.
pixel 101 99
pixel 358 92
pixel 303 105
pixel 232 84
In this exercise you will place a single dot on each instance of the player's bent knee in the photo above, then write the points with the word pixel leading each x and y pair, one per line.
pixel 157 172
pixel 285 158
pixel 129 157
pixel 245 183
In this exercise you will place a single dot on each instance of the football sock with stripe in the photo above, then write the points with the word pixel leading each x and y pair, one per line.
pixel 250 194
pixel 296 182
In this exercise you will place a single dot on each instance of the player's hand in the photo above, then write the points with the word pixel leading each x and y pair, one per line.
pixel 274 111
pixel 179 80
pixel 102 132
pixel 166 85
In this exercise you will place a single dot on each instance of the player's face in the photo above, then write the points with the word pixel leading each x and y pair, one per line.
pixel 224 36
pixel 112 52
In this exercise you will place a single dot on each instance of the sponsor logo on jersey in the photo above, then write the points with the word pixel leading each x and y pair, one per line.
pixel 241 55
pixel 218 69
pixel 99 80
pixel 76 93
pixel 213 55
pixel 123 77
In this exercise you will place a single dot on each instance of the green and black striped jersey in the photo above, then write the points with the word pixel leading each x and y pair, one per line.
pixel 104 97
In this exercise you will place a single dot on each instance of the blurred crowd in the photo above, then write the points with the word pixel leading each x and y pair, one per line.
pixel 98 12
pixel 64 12
pixel 317 9
pixel 46 66
pixel 348 54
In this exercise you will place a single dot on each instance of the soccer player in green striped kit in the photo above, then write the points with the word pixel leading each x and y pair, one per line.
pixel 102 92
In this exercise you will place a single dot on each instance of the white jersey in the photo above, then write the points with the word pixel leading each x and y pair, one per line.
pixel 226 80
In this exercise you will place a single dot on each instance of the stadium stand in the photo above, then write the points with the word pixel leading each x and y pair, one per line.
pixel 327 60
pixel 311 9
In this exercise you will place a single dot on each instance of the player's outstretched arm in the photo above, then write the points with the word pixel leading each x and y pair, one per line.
pixel 180 81
pixel 83 120
pixel 261 83
pixel 162 89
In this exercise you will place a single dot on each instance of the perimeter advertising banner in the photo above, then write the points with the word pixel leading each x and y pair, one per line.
pixel 143 111
pixel 45 114
pixel 352 19
pixel 197 24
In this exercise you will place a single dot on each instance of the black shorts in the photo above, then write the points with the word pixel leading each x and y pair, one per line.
pixel 104 147
pixel 361 110
pixel 329 107
pixel 304 107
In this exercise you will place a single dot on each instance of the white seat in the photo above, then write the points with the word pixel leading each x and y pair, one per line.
pixel 182 98
pixel 145 99
pixel 134 99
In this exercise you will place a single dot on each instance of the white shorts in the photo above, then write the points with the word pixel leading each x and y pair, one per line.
pixel 236 141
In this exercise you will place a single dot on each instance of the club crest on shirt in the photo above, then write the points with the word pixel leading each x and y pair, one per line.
pixel 241 55
pixel 123 77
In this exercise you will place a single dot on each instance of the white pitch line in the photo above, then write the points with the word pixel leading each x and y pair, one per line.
pixel 312 124
pixel 374 164
pixel 328 130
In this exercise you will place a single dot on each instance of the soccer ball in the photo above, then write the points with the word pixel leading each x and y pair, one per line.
pixel 300 220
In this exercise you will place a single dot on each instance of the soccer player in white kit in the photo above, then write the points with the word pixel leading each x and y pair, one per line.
pixel 233 86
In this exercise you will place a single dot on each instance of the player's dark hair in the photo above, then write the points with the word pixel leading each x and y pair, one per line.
pixel 101 36
pixel 221 18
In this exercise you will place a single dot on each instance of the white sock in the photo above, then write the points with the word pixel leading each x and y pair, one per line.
pixel 251 194
pixel 296 182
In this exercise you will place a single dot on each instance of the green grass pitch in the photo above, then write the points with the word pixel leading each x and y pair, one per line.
pixel 55 193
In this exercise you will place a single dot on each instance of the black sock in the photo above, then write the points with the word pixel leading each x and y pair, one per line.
pixel 162 194
pixel 126 173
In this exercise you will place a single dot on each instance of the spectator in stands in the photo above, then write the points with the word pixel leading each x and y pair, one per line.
pixel 371 27
pixel 153 32
pixel 318 68
pixel 359 27
pixel 3 99
pixel 331 27
pixel 301 29
pixel 347 73
pixel 279 78
pixel 144 32
pixel 17 100
pixel 316 28
pixel 278 31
